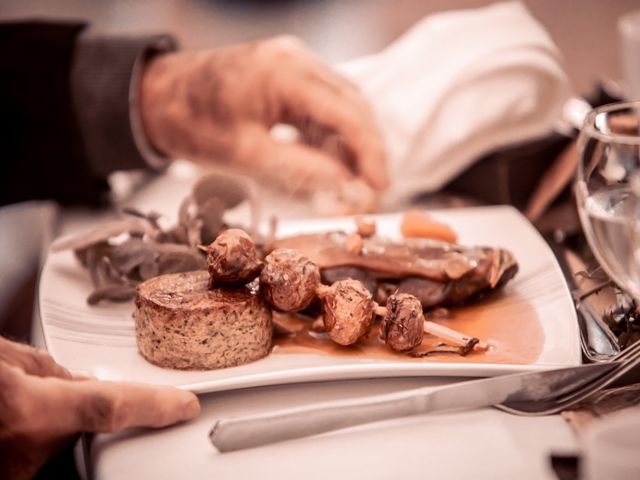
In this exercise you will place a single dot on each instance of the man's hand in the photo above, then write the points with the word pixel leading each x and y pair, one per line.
pixel 43 407
pixel 219 105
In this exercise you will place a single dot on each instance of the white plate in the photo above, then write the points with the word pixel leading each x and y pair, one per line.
pixel 100 340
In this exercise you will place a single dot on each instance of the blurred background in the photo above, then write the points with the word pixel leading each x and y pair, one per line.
pixel 585 30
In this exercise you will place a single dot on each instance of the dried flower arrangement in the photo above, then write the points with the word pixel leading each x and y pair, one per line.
pixel 121 254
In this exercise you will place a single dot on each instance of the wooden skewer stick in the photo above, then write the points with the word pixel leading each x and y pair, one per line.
pixel 452 335
pixel 440 331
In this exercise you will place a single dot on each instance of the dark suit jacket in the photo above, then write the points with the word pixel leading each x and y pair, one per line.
pixel 65 116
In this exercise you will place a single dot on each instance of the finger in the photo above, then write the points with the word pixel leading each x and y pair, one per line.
pixel 331 143
pixel 31 360
pixel 61 407
pixel 115 406
pixel 343 114
pixel 293 167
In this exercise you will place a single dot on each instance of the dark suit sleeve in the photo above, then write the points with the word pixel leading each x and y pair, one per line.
pixel 65 121
pixel 105 78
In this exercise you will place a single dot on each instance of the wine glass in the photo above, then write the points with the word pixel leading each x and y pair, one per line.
pixel 608 191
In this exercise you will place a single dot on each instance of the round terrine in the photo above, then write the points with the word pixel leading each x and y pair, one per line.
pixel 181 323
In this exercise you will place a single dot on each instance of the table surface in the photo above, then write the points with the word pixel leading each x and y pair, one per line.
pixel 483 443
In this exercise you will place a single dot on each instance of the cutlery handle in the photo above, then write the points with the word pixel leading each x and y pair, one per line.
pixel 238 433
pixel 230 434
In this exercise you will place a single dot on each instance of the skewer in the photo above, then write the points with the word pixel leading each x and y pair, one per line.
pixel 402 322
pixel 453 336
pixel 289 282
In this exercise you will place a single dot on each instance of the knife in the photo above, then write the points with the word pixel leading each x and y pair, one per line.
pixel 237 433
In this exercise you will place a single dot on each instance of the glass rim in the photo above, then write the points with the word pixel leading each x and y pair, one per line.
pixel 588 126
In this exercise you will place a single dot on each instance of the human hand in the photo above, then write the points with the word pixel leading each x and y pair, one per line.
pixel 221 104
pixel 43 407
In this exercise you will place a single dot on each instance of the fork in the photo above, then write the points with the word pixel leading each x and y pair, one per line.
pixel 627 363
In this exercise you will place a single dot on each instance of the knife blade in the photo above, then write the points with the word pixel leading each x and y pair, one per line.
pixel 237 433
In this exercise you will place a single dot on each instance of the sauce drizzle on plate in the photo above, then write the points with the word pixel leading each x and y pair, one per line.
pixel 511 326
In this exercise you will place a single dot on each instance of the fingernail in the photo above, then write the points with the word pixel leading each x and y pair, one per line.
pixel 191 409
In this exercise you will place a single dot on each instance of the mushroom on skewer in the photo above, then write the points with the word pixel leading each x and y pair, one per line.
pixel 289 280
pixel 232 258
pixel 347 310
pixel 403 326
pixel 402 322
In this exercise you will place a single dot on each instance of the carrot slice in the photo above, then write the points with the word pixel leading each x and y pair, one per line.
pixel 416 223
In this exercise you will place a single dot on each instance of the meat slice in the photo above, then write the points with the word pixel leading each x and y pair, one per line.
pixel 437 273
pixel 332 275
pixel 429 292
pixel 412 257
pixel 182 324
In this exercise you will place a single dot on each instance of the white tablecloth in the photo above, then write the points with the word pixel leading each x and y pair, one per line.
pixel 480 444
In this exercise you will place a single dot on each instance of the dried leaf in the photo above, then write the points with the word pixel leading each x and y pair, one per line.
pixel 175 262
pixel 100 249
pixel 92 258
pixel 163 248
pixel 230 189
pixel 132 253
pixel 194 232
pixel 106 273
pixel 101 234
pixel 116 267
pixel 177 234
pixel 211 213
pixel 173 258
pixel 116 274
pixel 113 292
pixel 147 270
pixel 152 217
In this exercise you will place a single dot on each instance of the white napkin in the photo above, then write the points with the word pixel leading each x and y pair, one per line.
pixel 458 85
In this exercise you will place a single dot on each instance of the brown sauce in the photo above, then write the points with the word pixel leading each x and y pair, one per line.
pixel 510 325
